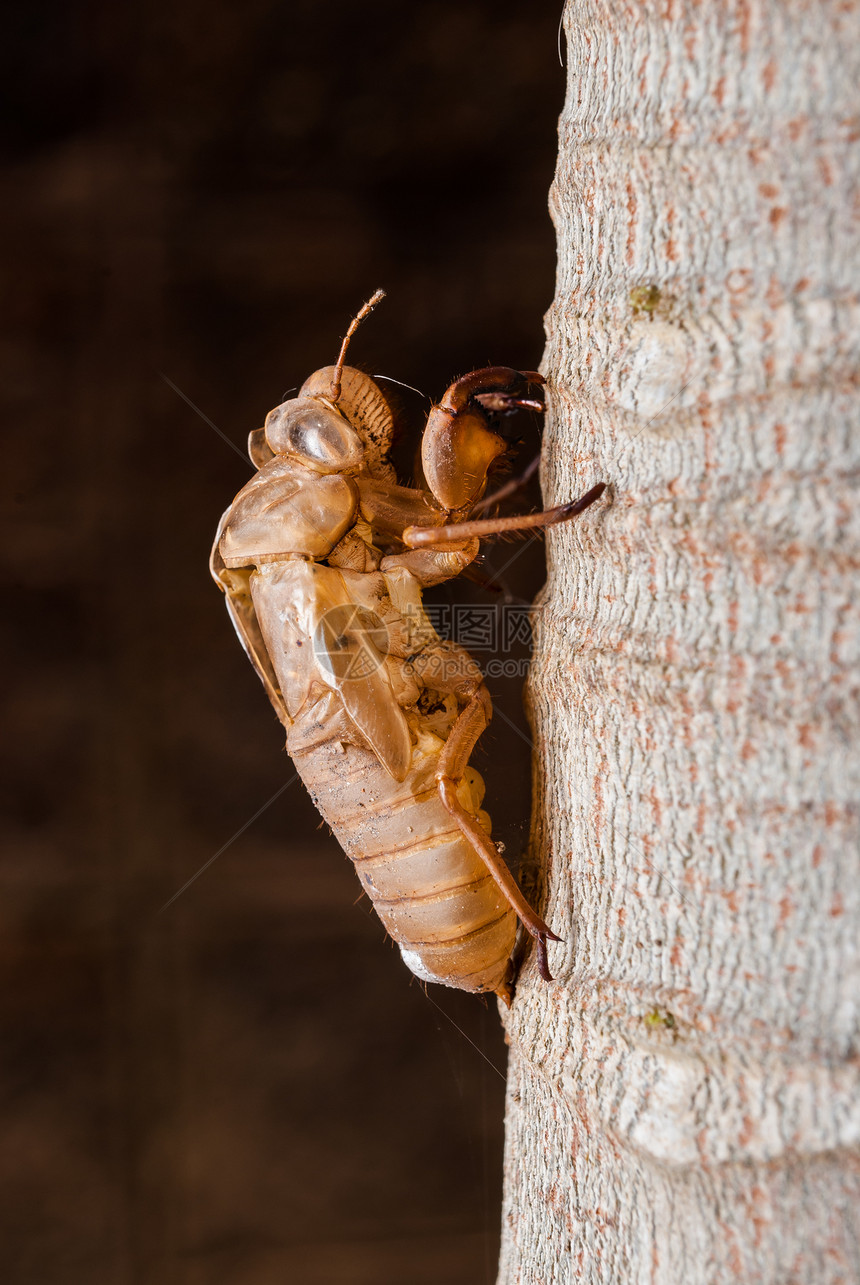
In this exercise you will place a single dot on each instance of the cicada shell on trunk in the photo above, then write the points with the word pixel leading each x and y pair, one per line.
pixel 323 558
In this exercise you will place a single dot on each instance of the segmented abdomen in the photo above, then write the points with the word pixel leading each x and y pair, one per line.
pixel 430 889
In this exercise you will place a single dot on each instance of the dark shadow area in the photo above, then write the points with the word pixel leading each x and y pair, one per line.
pixel 248 1087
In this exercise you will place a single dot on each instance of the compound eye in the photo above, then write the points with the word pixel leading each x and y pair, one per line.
pixel 313 433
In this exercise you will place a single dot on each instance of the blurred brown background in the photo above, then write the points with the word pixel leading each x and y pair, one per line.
pixel 245 1088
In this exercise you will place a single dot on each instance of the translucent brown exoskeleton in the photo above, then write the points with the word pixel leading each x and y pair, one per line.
pixel 323 558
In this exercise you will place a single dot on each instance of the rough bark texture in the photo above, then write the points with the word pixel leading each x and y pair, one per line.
pixel 683 1101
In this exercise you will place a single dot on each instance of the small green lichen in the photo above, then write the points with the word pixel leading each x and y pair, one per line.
pixel 645 298
pixel 658 1017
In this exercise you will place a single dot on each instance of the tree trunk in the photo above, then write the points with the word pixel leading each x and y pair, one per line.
pixel 683 1099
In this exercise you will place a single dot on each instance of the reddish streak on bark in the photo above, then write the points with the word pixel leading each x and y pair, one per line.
pixel 686 720
pixel 831 814
pixel 656 807
pixel 735 1258
pixel 707 422
pixel 786 910
pixel 758 1221
pixel 779 438
pixel 775 292
pixel 597 809
pixel 734 609
pixel 631 225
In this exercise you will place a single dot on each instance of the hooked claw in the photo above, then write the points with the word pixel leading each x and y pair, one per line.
pixel 507 403
pixel 542 961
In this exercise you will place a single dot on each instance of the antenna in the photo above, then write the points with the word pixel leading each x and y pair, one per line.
pixel 364 311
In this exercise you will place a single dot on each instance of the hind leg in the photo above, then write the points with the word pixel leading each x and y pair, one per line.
pixel 453 761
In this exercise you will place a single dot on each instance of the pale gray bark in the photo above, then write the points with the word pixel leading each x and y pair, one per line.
pixel 683 1102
